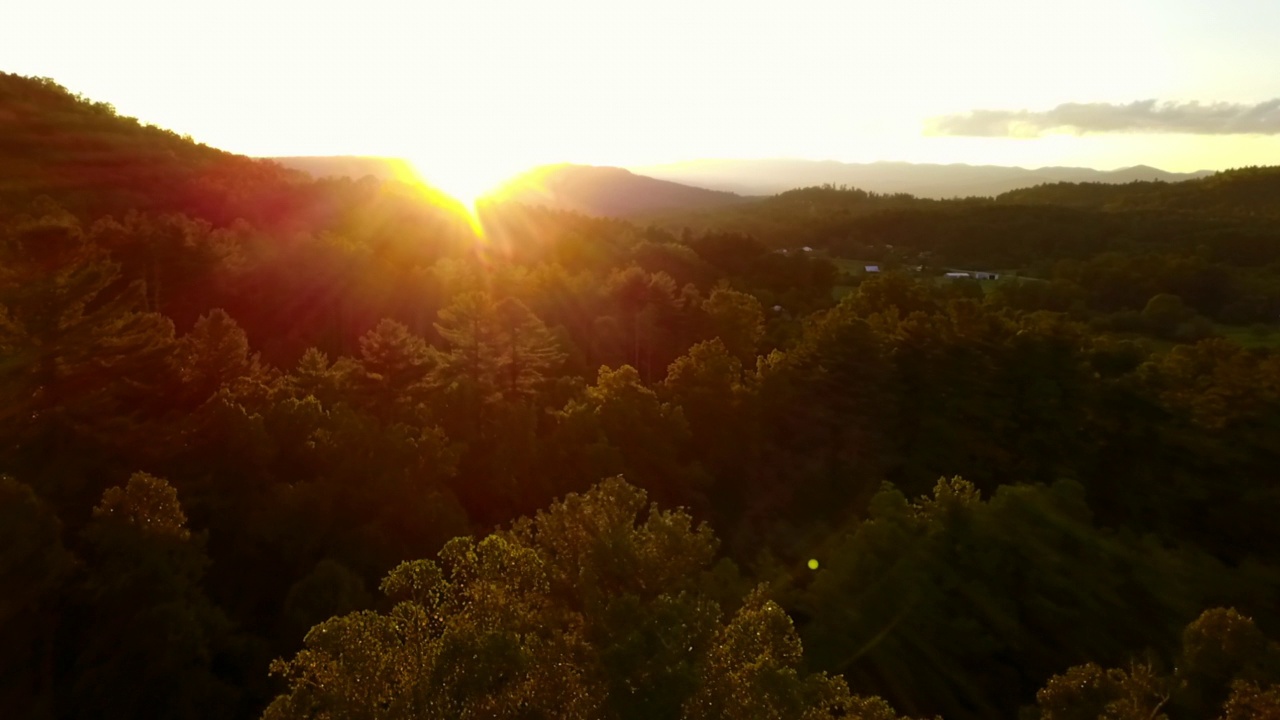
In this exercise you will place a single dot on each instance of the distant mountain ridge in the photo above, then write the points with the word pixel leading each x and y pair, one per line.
pixel 352 166
pixel 609 191
pixel 702 184
pixel 768 177
pixel 588 189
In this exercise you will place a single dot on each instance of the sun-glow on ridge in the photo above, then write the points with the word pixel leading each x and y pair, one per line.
pixel 467 182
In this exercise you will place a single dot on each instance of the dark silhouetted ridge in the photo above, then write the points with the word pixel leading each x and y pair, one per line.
pixel 94 161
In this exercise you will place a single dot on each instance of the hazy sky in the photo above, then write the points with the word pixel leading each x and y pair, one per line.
pixel 479 88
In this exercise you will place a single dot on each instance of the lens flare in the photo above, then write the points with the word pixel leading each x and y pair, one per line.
pixel 466 181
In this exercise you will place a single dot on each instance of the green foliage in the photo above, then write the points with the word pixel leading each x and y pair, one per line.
pixel 330 589
pixel 147 504
pixel 35 570
pixel 1248 701
pixel 1087 692
pixel 1224 665
pixel 923 589
pixel 34 561
pixel 439 385
pixel 737 320
pixel 496 350
pixel 80 345
pixel 151 645
pixel 720 404
pixel 394 365
pixel 592 609
pixel 622 426
pixel 1219 649
pixel 214 356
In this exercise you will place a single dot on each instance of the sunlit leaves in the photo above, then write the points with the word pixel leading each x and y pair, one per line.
pixel 147 503
pixel 595 544
pixel 590 610
pixel 1088 692
pixel 151 644
pixel 1249 701
pixel 1226 666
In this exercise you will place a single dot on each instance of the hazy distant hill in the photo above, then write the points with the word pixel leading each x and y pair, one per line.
pixel 1229 210
pixel 608 191
pixel 352 166
pixel 766 177
pixel 588 189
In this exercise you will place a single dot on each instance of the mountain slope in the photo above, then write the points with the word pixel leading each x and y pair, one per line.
pixel 93 161
pixel 1232 213
pixel 607 191
pixel 1246 191
pixel 921 180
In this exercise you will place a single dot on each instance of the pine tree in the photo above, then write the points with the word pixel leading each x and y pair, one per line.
pixel 82 358
pixel 496 350
pixel 528 352
pixel 216 355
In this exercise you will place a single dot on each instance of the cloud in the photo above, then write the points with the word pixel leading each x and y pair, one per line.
pixel 1144 116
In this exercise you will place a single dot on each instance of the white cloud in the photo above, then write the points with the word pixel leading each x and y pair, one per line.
pixel 1143 116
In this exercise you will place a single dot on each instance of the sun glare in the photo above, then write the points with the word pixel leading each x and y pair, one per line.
pixel 465 181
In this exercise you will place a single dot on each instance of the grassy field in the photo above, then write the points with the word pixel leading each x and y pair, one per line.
pixel 858 267
pixel 845 265
pixel 855 267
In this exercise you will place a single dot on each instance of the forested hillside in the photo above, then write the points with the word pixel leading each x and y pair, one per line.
pixel 1247 192
pixel 1103 249
pixel 291 448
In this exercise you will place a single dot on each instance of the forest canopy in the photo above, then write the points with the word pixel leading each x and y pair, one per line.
pixel 280 447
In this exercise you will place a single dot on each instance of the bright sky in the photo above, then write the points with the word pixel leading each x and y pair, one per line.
pixel 472 90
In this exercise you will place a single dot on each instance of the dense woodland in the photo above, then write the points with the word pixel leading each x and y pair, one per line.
pixel 284 448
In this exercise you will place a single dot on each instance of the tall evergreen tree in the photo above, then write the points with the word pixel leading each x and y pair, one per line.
pixel 84 361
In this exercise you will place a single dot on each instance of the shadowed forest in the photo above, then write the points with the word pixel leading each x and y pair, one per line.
pixel 280 447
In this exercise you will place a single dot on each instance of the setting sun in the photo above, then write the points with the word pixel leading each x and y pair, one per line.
pixel 474 92
pixel 466 182
pixel 492 359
